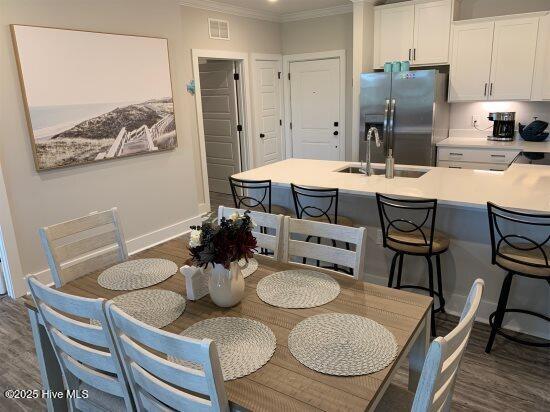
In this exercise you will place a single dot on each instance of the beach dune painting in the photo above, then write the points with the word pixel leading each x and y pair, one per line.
pixel 94 96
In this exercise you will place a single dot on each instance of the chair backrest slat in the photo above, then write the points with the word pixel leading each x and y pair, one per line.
pixel 86 352
pixel 155 380
pixel 84 245
pixel 266 222
pixel 436 386
pixel 354 259
pixel 251 194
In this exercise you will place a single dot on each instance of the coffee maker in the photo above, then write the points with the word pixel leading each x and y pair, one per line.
pixel 503 127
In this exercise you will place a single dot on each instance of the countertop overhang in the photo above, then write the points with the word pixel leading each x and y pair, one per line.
pixel 482 143
pixel 522 187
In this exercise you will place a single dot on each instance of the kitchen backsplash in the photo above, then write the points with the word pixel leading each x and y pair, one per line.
pixel 462 115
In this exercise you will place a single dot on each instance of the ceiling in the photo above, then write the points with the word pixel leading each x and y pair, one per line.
pixel 281 7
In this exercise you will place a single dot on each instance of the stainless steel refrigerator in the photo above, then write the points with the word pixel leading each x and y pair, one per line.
pixel 410 111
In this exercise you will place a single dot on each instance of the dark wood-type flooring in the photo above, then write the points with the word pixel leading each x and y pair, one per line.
pixel 512 378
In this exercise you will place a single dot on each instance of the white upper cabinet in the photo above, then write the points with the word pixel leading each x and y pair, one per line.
pixel 541 81
pixel 393 28
pixel 494 59
pixel 472 46
pixel 415 30
pixel 513 61
pixel 432 29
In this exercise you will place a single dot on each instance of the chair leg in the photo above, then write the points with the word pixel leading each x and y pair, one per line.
pixel 318 242
pixel 304 260
pixel 392 270
pixel 400 270
pixel 350 269
pixel 439 284
pixel 501 307
pixel 431 288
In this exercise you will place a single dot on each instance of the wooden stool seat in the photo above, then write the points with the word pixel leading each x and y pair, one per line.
pixel 342 220
pixel 533 257
pixel 440 242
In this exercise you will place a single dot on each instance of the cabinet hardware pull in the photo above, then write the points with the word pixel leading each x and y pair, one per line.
pixel 485 92
pixel 414 54
pixel 455 167
pixel 456 154
pixel 410 54
pixel 494 155
pixel 491 90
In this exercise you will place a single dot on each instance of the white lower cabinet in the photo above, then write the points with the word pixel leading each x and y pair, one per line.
pixel 475 158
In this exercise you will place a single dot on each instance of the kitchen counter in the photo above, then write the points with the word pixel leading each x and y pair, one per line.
pixel 525 187
pixel 482 143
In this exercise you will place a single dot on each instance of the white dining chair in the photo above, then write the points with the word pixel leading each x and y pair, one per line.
pixel 271 239
pixel 158 384
pixel 294 248
pixel 437 381
pixel 81 246
pixel 86 352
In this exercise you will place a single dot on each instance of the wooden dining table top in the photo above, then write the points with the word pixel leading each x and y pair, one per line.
pixel 284 383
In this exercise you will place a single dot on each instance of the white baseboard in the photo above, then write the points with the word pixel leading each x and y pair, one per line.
pixel 454 304
pixel 142 242
pixel 204 208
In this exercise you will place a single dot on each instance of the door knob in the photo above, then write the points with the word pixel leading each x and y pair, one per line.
pixel 262 135
pixel 336 133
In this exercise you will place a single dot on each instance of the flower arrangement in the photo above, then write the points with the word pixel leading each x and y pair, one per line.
pixel 223 243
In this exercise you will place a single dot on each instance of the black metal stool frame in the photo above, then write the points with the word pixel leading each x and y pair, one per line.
pixel 386 223
pixel 316 212
pixel 250 202
pixel 496 318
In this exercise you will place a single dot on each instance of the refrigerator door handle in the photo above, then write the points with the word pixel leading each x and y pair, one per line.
pixel 392 118
pixel 385 126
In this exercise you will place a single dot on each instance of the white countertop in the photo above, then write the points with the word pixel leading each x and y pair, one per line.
pixel 524 187
pixel 482 143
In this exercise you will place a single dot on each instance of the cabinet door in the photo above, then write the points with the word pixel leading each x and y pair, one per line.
pixel 393 33
pixel 514 47
pixel 470 61
pixel 541 81
pixel 432 28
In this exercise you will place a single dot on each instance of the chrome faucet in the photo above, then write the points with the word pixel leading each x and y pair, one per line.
pixel 371 131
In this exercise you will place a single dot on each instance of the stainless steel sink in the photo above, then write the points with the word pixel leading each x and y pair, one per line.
pixel 380 171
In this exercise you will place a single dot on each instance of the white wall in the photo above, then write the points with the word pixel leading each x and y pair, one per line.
pixel 461 115
pixel 152 192
pixel 323 34
pixel 471 9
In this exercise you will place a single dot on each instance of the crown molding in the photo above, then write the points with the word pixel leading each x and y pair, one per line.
pixel 216 6
pixel 312 14
pixel 229 9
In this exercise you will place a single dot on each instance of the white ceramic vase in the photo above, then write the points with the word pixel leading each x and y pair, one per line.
pixel 226 286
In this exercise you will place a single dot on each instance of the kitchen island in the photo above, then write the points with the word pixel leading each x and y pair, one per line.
pixel 462 215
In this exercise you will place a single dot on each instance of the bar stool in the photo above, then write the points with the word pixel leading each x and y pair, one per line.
pixel 320 205
pixel 520 244
pixel 408 228
pixel 255 195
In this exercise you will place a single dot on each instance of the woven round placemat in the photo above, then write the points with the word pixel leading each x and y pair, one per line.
pixel 297 289
pixel 244 345
pixel 248 268
pixel 155 307
pixel 137 274
pixel 343 345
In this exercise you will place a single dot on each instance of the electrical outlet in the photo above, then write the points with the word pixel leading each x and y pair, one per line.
pixel 475 120
pixel 379 239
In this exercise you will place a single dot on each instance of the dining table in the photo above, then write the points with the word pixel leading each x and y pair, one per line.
pixel 283 383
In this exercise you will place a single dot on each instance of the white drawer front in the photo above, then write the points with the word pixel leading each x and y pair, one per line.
pixel 472 165
pixel 477 155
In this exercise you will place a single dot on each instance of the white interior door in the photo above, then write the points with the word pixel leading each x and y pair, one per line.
pixel 268 110
pixel 514 48
pixel 315 109
pixel 220 117
pixel 471 61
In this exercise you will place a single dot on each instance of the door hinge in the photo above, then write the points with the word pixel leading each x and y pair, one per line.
pixel 280 122
pixel 288 76
pixel 290 125
pixel 279 75
pixel 239 128
pixel 236 76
